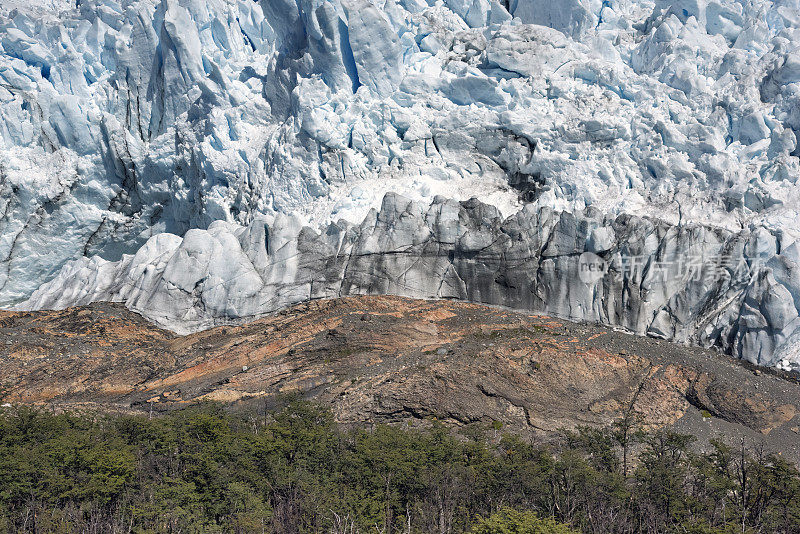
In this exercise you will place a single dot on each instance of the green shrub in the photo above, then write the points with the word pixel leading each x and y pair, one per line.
pixel 293 470
pixel 510 521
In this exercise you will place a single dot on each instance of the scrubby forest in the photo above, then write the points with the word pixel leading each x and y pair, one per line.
pixel 293 470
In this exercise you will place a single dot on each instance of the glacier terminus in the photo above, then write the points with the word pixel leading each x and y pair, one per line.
pixel 209 161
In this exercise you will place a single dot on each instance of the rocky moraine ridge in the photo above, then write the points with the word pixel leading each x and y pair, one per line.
pixel 383 359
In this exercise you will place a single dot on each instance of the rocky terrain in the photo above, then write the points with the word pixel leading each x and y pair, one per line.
pixel 390 359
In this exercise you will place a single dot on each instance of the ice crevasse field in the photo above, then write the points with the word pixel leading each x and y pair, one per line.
pixel 208 161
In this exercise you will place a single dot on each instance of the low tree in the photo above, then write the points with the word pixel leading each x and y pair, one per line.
pixel 510 521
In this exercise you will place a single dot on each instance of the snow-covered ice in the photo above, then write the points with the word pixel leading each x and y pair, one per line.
pixel 128 126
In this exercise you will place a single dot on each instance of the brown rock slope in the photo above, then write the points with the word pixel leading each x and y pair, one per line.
pixel 390 359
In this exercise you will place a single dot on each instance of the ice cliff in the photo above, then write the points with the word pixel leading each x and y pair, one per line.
pixel 687 283
pixel 206 161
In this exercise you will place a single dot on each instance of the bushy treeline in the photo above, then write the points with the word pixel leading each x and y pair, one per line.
pixel 294 471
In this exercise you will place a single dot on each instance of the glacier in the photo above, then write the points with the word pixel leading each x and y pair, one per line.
pixel 465 250
pixel 210 161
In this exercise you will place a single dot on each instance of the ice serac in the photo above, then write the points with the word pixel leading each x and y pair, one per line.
pixel 687 283
pixel 137 134
pixel 572 17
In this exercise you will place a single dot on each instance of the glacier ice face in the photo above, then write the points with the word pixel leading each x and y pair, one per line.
pixel 128 121
pixel 688 283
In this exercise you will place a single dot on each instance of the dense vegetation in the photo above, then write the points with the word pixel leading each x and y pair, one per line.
pixel 293 471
